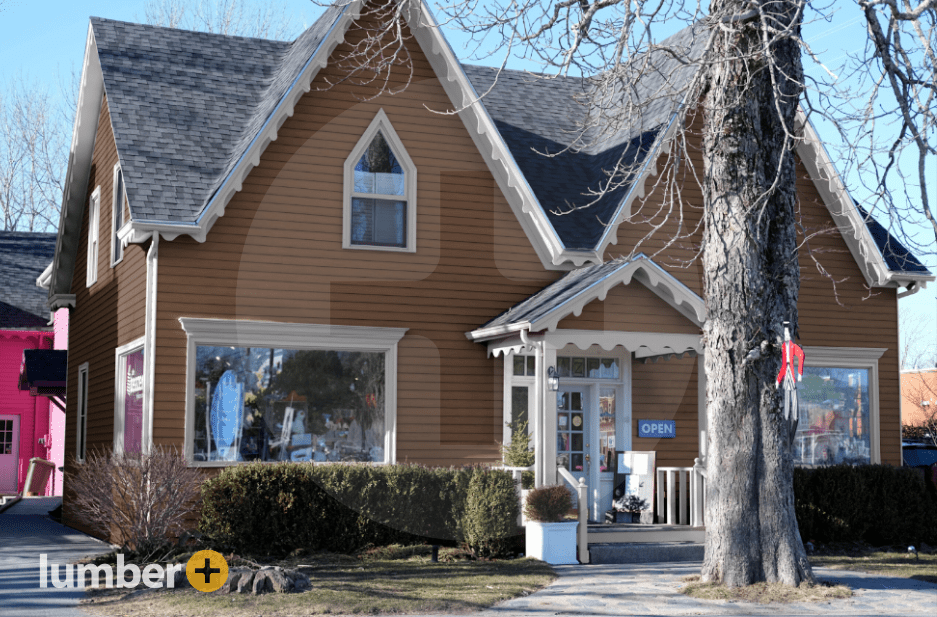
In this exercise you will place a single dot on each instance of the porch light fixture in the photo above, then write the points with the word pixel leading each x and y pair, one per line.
pixel 553 380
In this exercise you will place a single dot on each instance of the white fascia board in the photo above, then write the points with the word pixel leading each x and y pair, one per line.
pixel 638 188
pixel 484 334
pixel 839 203
pixel 649 274
pixel 84 132
pixel 520 196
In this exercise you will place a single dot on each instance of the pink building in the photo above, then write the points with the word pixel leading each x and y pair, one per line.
pixel 30 426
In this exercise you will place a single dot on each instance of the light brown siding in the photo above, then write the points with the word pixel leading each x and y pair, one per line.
pixel 108 314
pixel 277 255
pixel 836 309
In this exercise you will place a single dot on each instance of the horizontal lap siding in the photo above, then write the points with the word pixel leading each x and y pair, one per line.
pixel 276 255
pixel 846 314
pixel 108 314
pixel 667 391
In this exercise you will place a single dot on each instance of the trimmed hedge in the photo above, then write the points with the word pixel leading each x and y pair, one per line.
pixel 878 504
pixel 491 511
pixel 274 509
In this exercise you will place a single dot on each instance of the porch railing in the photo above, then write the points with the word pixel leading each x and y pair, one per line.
pixel 518 473
pixel 672 501
pixel 582 496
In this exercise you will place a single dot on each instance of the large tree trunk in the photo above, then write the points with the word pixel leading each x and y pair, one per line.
pixel 751 280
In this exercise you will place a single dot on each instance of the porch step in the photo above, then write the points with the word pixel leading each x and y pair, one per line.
pixel 645 552
pixel 643 534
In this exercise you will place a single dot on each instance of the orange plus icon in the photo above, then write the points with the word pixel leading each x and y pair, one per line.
pixel 207 571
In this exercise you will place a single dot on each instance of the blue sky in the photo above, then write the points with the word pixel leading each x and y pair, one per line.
pixel 43 40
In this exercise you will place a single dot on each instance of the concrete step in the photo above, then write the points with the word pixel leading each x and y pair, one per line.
pixel 621 533
pixel 645 552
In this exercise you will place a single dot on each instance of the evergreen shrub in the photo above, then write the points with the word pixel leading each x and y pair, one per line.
pixel 878 504
pixel 274 509
pixel 491 511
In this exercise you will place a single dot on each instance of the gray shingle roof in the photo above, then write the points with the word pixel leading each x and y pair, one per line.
pixel 23 257
pixel 538 115
pixel 185 105
pixel 897 257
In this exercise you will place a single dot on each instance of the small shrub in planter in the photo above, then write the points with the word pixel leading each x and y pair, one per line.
pixel 548 504
pixel 548 537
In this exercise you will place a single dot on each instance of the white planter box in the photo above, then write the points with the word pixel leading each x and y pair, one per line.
pixel 554 543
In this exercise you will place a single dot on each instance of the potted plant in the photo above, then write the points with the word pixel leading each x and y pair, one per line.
pixel 634 505
pixel 550 538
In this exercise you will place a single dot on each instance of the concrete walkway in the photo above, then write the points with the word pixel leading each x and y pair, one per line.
pixel 653 589
pixel 25 534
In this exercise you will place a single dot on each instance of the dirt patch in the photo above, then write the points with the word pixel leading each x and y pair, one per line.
pixel 764 593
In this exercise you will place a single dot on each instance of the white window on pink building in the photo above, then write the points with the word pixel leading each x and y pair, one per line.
pixel 128 412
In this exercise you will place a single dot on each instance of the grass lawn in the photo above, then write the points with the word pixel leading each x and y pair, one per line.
pixel 382 582
pixel 902 565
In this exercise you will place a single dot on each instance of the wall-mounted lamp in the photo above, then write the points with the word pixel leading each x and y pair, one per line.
pixel 553 379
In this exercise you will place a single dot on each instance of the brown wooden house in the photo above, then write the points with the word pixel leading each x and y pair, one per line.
pixel 265 263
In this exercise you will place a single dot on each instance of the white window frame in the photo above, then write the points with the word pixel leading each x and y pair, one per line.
pixel 81 417
pixel 380 123
pixel 117 248
pixel 860 358
pixel 94 237
pixel 120 363
pixel 243 333
pixel 512 381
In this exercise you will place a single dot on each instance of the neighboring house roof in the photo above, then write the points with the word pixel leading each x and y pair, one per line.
pixel 23 257
pixel 571 293
pixel 192 113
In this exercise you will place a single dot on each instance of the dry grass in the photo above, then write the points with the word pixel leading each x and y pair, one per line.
pixel 764 593
pixel 903 565
pixel 372 584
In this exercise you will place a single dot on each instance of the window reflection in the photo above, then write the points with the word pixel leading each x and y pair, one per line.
pixel 833 424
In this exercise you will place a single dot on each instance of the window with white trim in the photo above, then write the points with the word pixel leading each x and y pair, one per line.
pixel 380 192
pixel 264 391
pixel 81 441
pixel 128 397
pixel 117 215
pixel 94 220
pixel 838 407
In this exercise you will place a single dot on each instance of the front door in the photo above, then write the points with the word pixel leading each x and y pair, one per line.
pixel 9 453
pixel 574 447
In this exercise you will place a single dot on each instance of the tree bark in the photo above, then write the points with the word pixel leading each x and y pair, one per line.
pixel 751 280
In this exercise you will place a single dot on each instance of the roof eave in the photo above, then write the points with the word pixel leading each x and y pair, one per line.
pixel 90 96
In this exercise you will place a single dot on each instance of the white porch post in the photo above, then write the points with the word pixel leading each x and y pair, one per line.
pixel 548 414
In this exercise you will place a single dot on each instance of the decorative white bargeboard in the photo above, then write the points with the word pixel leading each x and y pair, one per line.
pixel 554 543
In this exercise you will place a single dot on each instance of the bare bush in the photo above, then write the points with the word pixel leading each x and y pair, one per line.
pixel 141 500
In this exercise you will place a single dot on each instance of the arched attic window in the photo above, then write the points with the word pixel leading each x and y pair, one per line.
pixel 380 192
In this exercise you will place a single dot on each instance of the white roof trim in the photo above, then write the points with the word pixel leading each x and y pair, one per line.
pixel 644 345
pixel 849 221
pixel 642 269
pixel 84 133
pixel 45 279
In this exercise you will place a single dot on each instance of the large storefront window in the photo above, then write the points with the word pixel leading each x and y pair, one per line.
pixel 835 421
pixel 279 404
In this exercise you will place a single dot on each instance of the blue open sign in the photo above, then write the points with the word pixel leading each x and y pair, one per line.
pixel 657 429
